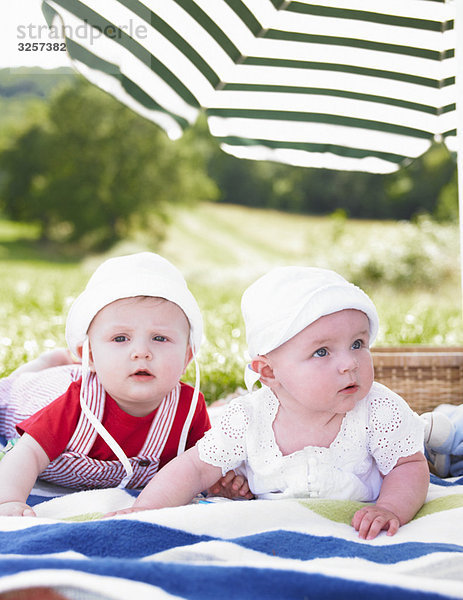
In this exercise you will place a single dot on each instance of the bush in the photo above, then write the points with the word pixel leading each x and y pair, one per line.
pixel 410 255
pixel 94 169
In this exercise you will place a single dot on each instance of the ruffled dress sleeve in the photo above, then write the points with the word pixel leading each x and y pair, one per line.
pixel 394 430
pixel 225 444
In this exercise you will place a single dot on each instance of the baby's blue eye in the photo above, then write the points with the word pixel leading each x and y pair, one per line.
pixel 120 338
pixel 357 344
pixel 321 352
pixel 159 338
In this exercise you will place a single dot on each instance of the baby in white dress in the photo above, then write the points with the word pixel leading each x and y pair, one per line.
pixel 319 426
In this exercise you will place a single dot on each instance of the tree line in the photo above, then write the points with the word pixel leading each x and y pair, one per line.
pixel 88 170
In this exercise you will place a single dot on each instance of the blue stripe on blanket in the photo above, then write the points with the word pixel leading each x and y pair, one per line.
pixel 289 544
pixel 445 482
pixel 121 538
pixel 35 498
pixel 134 539
pixel 199 582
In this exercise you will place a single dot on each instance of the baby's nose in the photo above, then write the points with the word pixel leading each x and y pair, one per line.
pixel 348 363
pixel 138 353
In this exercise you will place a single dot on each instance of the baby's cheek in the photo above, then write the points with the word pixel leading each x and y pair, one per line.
pixel 369 373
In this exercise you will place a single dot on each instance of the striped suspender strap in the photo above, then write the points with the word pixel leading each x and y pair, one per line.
pixel 162 425
pixel 89 380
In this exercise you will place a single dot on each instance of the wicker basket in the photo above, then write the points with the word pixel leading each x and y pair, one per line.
pixel 424 376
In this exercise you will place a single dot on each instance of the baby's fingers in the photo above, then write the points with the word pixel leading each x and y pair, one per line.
pixel 393 528
pixel 224 482
pixel 358 517
pixel 369 526
pixel 370 521
pixel 28 512
pixel 122 511
pixel 241 486
pixel 16 509
pixel 227 479
pixel 215 489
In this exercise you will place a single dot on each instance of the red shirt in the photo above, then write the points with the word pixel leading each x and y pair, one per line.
pixel 53 426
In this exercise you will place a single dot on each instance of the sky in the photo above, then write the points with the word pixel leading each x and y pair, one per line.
pixel 22 22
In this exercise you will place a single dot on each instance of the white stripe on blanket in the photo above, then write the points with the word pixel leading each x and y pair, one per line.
pixel 272 549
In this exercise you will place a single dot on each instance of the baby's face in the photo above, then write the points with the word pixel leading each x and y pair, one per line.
pixel 139 348
pixel 327 366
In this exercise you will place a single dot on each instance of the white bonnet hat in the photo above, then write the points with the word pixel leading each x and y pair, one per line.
pixel 142 274
pixel 284 301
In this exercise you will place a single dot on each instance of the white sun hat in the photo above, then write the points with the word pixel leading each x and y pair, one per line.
pixel 141 274
pixel 285 300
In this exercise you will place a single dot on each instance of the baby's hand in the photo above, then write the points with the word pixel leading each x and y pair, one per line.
pixel 370 520
pixel 123 511
pixel 16 509
pixel 231 486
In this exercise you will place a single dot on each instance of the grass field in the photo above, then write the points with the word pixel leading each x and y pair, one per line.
pixel 410 271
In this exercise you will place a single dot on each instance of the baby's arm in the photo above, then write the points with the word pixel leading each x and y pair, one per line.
pixel 177 483
pixel 52 358
pixel 19 469
pixel 402 494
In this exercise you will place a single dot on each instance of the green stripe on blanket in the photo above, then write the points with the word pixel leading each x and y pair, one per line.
pixel 342 511
pixel 339 511
pixel 440 504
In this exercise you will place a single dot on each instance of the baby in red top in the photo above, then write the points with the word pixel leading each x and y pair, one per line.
pixel 136 327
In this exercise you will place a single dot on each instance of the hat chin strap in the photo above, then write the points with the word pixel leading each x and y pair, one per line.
pixel 108 438
pixel 194 402
pixel 250 377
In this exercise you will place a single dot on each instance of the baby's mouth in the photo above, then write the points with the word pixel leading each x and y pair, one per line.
pixel 142 373
pixel 352 387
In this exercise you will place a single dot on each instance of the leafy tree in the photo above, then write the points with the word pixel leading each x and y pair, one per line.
pixel 447 204
pixel 416 188
pixel 94 167
pixel 424 186
pixel 33 81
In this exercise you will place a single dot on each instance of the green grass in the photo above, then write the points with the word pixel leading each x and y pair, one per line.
pixel 410 271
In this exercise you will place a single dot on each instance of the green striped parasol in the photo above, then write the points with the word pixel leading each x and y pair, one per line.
pixel 343 84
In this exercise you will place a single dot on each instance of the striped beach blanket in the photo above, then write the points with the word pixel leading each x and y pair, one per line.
pixel 217 548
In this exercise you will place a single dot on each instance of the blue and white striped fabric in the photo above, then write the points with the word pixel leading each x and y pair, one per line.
pixel 232 549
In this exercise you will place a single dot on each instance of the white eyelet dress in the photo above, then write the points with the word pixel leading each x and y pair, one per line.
pixel 378 431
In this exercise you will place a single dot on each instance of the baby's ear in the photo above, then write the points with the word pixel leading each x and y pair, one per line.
pixel 91 366
pixel 260 364
pixel 188 357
